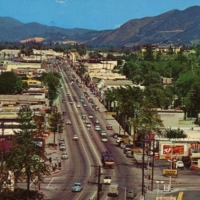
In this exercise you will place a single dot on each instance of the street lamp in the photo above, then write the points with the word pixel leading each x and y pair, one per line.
pixel 124 191
pixel 158 182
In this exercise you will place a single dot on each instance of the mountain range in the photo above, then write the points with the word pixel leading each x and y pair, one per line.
pixel 172 27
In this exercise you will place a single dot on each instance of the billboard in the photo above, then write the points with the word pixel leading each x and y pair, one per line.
pixel 173 149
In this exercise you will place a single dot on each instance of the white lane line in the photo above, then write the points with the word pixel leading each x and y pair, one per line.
pixel 50 182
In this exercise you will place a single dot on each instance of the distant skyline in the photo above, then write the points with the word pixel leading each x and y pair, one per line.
pixel 88 14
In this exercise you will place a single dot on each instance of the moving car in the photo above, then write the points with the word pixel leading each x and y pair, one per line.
pixel 90 116
pixel 68 121
pixel 75 137
pixel 103 132
pixel 62 147
pixel 71 102
pixel 83 117
pixel 104 138
pixel 64 156
pixel 77 187
pixel 96 121
pixel 97 128
pixel 88 124
pixel 63 101
pixel 84 105
pixel 107 180
pixel 78 105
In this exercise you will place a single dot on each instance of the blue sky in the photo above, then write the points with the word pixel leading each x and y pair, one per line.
pixel 89 14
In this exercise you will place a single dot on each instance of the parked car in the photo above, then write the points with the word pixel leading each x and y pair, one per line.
pixel 61 141
pixel 77 187
pixel 62 147
pixel 96 108
pixel 97 128
pixel 130 155
pixel 131 194
pixel 109 126
pixel 179 164
pixel 63 101
pixel 118 140
pixel 64 156
pixel 68 121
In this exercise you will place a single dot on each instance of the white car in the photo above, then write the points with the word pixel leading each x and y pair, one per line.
pixel 96 121
pixel 118 140
pixel 90 116
pixel 104 138
pixel 103 133
pixel 78 105
pixel 97 128
pixel 64 156
pixel 84 105
pixel 88 124
pixel 68 121
pixel 75 137
pixel 179 164
pixel 107 180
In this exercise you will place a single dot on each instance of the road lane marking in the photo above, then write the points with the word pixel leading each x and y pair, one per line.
pixel 50 183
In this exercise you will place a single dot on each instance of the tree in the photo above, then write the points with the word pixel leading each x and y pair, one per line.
pixel 53 84
pixel 175 133
pixel 55 122
pixel 25 157
pixel 11 84
pixel 148 55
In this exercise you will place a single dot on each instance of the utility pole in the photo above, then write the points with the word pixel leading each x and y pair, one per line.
pixel 143 165
pixel 2 152
pixel 99 184
pixel 152 166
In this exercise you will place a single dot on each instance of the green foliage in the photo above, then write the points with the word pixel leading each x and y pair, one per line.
pixel 53 84
pixel 11 84
pixel 25 157
pixel 148 55
pixel 158 96
pixel 55 121
pixel 20 194
pixel 175 133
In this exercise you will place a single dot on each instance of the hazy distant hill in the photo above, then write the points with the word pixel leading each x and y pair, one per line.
pixel 170 27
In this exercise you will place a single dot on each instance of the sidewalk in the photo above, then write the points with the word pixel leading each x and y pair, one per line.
pixel 52 153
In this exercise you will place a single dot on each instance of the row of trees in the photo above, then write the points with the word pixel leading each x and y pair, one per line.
pixel 136 108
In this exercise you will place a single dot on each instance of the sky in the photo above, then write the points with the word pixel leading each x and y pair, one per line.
pixel 88 14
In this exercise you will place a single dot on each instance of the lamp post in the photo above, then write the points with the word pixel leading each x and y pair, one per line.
pixel 170 177
pixel 124 191
pixel 158 182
